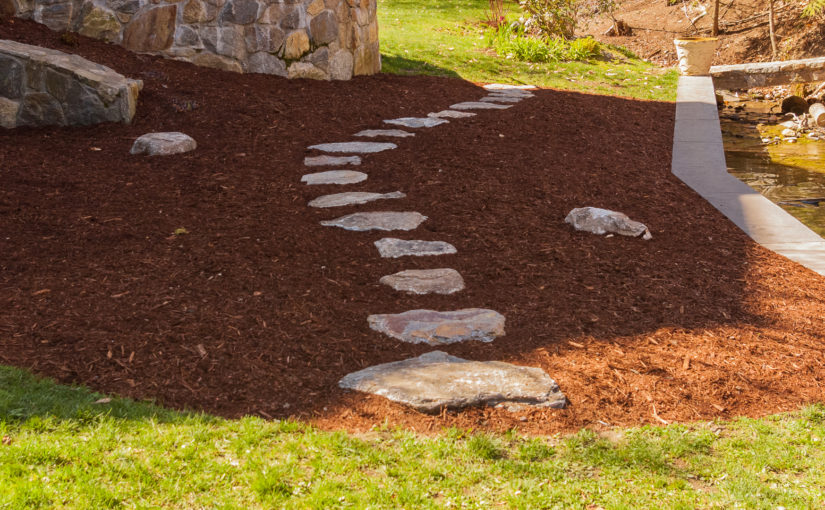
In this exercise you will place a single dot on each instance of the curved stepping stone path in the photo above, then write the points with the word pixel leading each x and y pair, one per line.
pixel 372 133
pixel 358 147
pixel 425 281
pixel 361 222
pixel 352 198
pixel 392 248
pixel 439 328
pixel 478 105
pixel 331 160
pixel 334 177
pixel 451 114
pixel 436 380
pixel 417 122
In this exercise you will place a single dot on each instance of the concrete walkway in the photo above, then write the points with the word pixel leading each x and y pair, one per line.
pixel 699 161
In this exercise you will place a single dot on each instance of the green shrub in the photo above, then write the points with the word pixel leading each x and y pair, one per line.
pixel 517 44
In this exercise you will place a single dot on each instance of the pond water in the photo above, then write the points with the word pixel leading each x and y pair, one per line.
pixel 789 174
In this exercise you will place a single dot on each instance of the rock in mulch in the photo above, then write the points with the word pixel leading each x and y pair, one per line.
pixel 334 177
pixel 478 105
pixel 163 144
pixel 436 380
pixel 352 198
pixel 511 93
pixel 393 248
pixel 397 133
pixel 361 222
pixel 331 160
pixel 604 221
pixel 425 281
pixel 438 328
pixel 451 114
pixel 358 147
pixel 500 99
pixel 417 122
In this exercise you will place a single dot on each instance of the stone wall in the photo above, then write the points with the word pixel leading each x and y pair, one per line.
pixel 768 74
pixel 41 87
pixel 322 39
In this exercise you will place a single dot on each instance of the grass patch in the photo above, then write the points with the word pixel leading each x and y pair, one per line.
pixel 61 449
pixel 450 39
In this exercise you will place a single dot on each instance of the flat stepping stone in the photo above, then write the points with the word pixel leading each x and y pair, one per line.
pixel 425 281
pixel 334 177
pixel 478 105
pixel 392 248
pixel 503 86
pixel 500 99
pixel 439 328
pixel 523 94
pixel 163 144
pixel 451 114
pixel 359 147
pixel 331 160
pixel 352 198
pixel 372 133
pixel 417 122
pixel 435 381
pixel 362 222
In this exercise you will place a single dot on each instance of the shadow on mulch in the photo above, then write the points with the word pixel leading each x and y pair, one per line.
pixel 260 310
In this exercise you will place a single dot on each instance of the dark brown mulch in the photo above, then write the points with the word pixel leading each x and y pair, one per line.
pixel 260 310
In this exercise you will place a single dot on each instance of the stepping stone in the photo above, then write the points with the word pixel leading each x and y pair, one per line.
pixel 426 281
pixel 360 147
pixel 478 105
pixel 502 86
pixel 331 160
pixel 372 133
pixel 335 177
pixel 451 114
pixel 352 198
pixel 163 144
pixel 500 99
pixel 511 93
pixel 392 248
pixel 361 222
pixel 417 122
pixel 438 328
pixel 435 381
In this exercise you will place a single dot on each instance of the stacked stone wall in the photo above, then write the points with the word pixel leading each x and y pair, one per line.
pixel 322 39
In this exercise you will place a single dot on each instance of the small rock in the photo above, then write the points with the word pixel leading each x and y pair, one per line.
pixel 438 328
pixel 352 198
pixel 361 222
pixel 334 177
pixel 451 114
pixel 603 221
pixel 477 105
pixel 790 124
pixel 417 122
pixel 359 147
pixel 425 281
pixel 766 140
pixel 436 380
pixel 393 248
pixel 791 140
pixel 163 144
pixel 331 160
pixel 372 133
pixel 788 132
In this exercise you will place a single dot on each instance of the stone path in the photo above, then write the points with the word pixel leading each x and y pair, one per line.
pixel 434 380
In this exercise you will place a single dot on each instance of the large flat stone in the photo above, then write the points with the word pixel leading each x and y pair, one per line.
pixel 361 222
pixel 436 380
pixel 163 144
pixel 352 198
pixel 604 221
pixel 334 177
pixel 417 122
pixel 438 328
pixel 393 248
pixel 331 160
pixel 395 133
pixel 504 86
pixel 426 281
pixel 358 147
pixel 500 99
pixel 451 114
pixel 478 105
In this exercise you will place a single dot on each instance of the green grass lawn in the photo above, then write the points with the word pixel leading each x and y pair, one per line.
pixel 442 38
pixel 65 447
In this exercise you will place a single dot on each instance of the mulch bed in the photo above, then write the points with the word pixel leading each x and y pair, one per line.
pixel 260 310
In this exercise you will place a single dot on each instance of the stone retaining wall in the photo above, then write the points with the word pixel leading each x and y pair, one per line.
pixel 768 74
pixel 39 87
pixel 322 39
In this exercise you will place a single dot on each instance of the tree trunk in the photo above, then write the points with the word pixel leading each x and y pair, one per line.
pixel 715 31
pixel 817 113
pixel 772 30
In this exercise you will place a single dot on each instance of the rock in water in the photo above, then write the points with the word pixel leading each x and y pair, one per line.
pixel 436 380
pixel 352 198
pixel 603 221
pixel 362 222
pixel 438 328
pixel 794 104
pixel 390 247
pixel 163 144
pixel 425 281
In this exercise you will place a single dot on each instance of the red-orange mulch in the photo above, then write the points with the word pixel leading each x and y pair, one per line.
pixel 261 310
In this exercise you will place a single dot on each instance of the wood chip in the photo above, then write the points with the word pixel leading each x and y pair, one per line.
pixel 574 344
